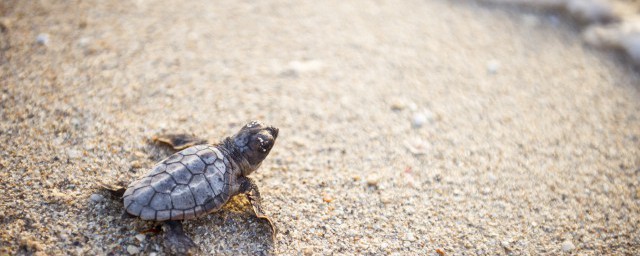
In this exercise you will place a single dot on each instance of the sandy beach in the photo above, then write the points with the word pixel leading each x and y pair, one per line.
pixel 406 127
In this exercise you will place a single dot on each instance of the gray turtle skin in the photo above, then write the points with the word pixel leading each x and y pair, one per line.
pixel 200 179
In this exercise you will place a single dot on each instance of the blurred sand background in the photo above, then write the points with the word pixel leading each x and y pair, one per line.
pixel 406 127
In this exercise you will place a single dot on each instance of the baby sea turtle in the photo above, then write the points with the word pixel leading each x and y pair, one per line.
pixel 199 180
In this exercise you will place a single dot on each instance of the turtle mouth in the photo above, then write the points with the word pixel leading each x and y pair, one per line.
pixel 274 131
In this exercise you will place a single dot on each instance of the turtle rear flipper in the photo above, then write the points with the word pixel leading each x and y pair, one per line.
pixel 175 241
pixel 115 190
pixel 178 141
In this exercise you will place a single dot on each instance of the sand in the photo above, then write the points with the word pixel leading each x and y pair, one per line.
pixel 406 127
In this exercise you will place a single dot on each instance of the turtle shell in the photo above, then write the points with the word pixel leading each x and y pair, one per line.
pixel 187 184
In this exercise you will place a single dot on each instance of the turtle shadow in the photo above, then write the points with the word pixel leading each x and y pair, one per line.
pixel 233 229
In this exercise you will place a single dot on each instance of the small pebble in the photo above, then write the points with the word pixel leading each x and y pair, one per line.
pixel 385 198
pixel 306 66
pixel 568 246
pixel 308 251
pixel 373 180
pixel 131 249
pixel 96 198
pixel 409 236
pixel 72 153
pixel 140 237
pixel 84 41
pixel 396 106
pixel 42 39
pixel 418 120
pixel 493 66
pixel 295 68
pixel 421 118
pixel 136 165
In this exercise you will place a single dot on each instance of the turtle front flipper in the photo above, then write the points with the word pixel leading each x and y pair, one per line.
pixel 257 209
pixel 179 141
pixel 175 241
pixel 249 187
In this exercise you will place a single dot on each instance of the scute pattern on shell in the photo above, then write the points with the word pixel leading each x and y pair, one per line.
pixel 185 185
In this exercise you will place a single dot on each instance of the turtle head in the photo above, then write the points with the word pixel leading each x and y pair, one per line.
pixel 254 141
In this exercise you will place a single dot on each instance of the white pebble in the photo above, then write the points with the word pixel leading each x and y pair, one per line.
pixel 72 153
pixel 42 39
pixel 421 118
pixel 131 249
pixel 84 41
pixel 493 66
pixel 410 237
pixel 140 237
pixel 96 198
pixel 418 120
pixel 306 66
pixel 568 246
